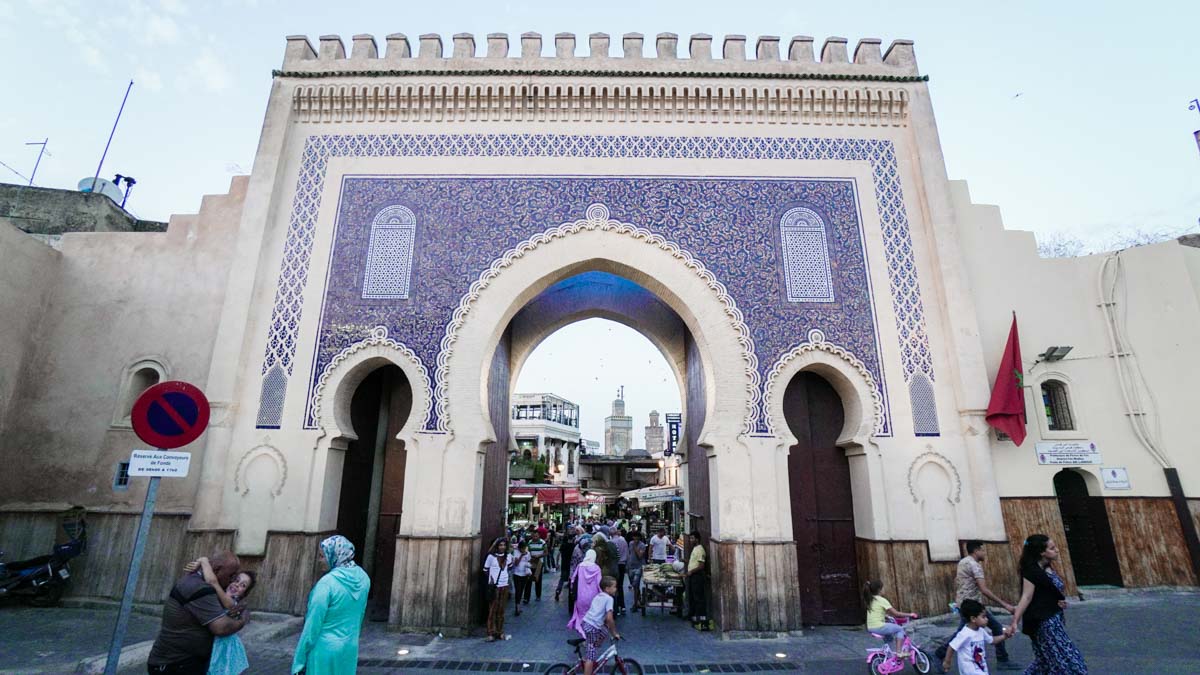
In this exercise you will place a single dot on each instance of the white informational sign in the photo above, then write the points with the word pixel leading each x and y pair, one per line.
pixel 1068 452
pixel 1116 478
pixel 159 463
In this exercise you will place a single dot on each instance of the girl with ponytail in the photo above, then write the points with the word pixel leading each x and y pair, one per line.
pixel 878 609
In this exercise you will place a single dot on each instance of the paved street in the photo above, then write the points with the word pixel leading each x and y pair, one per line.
pixel 1122 633
pixel 1119 633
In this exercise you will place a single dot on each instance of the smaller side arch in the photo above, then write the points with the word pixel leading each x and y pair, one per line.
pixel 861 398
pixel 240 483
pixel 335 388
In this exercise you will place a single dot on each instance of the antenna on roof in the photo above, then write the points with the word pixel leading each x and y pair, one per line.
pixel 39 159
pixel 96 177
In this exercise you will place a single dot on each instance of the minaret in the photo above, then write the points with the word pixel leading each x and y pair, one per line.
pixel 618 427
pixel 655 437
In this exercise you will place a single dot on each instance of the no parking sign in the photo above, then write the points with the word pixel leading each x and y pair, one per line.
pixel 168 415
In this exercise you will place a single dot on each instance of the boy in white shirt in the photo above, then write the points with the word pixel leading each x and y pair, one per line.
pixel 598 617
pixel 970 644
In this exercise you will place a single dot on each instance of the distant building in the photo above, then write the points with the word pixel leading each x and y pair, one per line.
pixel 618 428
pixel 591 447
pixel 545 427
pixel 655 438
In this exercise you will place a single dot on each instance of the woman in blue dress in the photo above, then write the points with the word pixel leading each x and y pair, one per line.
pixel 1041 609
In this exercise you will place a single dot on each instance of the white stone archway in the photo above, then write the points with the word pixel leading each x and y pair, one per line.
pixel 596 242
pixel 332 398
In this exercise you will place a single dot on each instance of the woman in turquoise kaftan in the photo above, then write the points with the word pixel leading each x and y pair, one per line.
pixel 329 643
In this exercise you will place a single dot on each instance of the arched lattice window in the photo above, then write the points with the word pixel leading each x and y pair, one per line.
pixel 1057 405
pixel 390 255
pixel 807 271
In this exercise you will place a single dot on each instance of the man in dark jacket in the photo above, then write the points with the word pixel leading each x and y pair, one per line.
pixel 191 617
pixel 565 549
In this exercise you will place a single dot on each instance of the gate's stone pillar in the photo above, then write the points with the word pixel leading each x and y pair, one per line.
pixel 436 549
pixel 752 553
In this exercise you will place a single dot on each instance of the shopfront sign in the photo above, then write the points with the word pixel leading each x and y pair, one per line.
pixel 1071 453
pixel 1116 478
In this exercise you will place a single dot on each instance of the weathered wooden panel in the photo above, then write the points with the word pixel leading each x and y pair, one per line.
pixel 428 589
pixel 1158 559
pixel 755 584
pixel 911 582
pixel 291 567
pixel 1024 516
pixel 1194 505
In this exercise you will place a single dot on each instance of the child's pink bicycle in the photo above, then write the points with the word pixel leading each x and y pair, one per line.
pixel 884 660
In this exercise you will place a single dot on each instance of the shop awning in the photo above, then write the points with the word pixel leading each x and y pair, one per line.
pixel 563 495
pixel 521 492
pixel 655 494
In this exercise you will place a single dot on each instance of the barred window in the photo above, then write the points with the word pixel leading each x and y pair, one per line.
pixel 1057 406
pixel 390 255
pixel 807 271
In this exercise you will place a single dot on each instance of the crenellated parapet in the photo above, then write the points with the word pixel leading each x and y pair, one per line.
pixel 527 80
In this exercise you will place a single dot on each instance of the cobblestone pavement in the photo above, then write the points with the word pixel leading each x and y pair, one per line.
pixel 47 639
pixel 1118 632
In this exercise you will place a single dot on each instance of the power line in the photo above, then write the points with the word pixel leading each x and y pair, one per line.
pixel 23 177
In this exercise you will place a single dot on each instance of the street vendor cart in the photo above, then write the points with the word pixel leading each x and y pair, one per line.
pixel 662 586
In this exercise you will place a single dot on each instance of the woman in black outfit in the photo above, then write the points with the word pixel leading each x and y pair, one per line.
pixel 1041 606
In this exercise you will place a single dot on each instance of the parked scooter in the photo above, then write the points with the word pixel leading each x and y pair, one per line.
pixel 41 581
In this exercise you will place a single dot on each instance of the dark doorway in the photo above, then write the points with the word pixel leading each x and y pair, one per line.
pixel 378 411
pixel 822 505
pixel 1089 536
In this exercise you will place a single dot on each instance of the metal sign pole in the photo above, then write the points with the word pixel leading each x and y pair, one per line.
pixel 139 548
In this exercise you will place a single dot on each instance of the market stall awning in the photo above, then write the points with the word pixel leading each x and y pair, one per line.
pixel 655 494
pixel 554 495
pixel 521 492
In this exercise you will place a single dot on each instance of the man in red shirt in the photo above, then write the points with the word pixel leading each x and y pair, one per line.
pixel 542 530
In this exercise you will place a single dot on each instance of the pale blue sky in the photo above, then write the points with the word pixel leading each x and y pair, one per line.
pixel 1072 116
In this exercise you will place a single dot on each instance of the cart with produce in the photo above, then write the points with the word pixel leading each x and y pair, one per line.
pixel 663 585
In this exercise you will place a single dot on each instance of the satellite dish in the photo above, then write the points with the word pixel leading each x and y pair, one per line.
pixel 102 186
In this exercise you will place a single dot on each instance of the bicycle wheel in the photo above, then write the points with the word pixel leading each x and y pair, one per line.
pixel 626 667
pixel 559 669
pixel 920 661
pixel 876 663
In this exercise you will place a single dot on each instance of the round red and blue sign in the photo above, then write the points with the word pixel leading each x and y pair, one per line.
pixel 170 415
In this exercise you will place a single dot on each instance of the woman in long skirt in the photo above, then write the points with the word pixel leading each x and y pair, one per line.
pixel 1041 607
pixel 587 577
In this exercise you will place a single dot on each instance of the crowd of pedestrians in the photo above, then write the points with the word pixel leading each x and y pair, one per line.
pixel 207 607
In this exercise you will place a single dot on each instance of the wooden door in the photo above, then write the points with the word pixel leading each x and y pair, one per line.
pixel 822 505
pixel 1089 535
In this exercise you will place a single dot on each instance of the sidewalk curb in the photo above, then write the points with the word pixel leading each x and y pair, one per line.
pixel 273 627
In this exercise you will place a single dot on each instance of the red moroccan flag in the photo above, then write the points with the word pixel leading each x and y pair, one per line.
pixel 1006 410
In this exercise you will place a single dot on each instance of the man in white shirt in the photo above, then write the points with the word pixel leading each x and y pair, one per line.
pixel 658 546
pixel 969 584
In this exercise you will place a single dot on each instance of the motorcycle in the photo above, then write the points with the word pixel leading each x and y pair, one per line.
pixel 41 581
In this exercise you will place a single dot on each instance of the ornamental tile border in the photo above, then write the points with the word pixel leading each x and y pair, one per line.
pixel 295 264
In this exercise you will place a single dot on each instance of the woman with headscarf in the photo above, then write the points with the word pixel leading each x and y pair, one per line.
pixel 587 579
pixel 329 643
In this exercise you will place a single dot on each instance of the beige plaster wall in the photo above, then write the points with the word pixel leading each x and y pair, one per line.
pixel 117 299
pixel 1056 301
pixel 28 269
